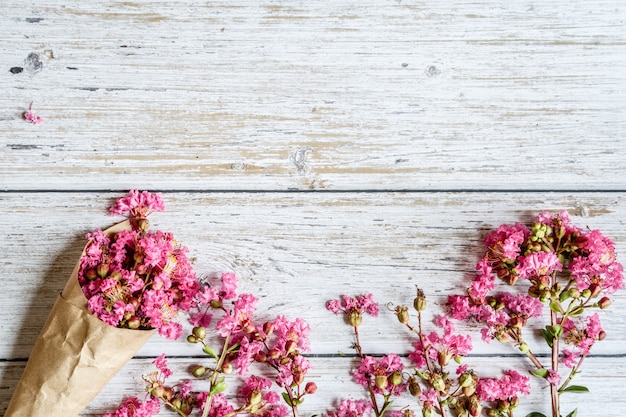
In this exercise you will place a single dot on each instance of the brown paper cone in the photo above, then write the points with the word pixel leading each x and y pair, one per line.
pixel 74 357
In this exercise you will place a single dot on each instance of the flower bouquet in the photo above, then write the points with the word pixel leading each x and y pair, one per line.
pixel 128 283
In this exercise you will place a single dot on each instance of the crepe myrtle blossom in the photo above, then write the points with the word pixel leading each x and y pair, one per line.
pixel 353 308
pixel 138 279
pixel 384 375
pixel 351 408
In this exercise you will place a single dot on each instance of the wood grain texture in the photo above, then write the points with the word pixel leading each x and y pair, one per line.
pixel 295 251
pixel 314 95
pixel 485 112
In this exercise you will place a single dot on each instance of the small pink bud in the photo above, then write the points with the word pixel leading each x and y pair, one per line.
pixel 595 289
pixel 274 353
pixel 227 368
pixel 260 357
pixel 604 302
pixel 91 274
pixel 601 335
pixel 290 346
pixel 310 388
pixel 102 269
pixel 268 328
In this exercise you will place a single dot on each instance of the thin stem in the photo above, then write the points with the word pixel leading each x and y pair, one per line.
pixel 370 389
pixel 215 376
pixel 572 374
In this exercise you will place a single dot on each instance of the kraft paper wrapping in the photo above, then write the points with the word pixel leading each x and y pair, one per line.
pixel 74 357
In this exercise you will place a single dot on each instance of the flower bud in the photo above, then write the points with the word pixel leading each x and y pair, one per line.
pixel 604 302
pixel 355 318
pixel 227 367
pixel 142 223
pixel 444 357
pixel 217 303
pixel 438 383
pixel 255 397
pixel 601 335
pixel 298 377
pixel 574 293
pixel 192 339
pixel 177 403
pixel 381 381
pixel 116 275
pixel 470 390
pixel 290 346
pixel 274 353
pixel 595 289
pixel 396 378
pixel 268 328
pixel 474 406
pixel 419 302
pixel 402 312
pixel 133 322
pixel 260 357
pixel 91 274
pixel 534 292
pixel 310 388
pixel 414 387
pixel 465 380
pixel 198 371
pixel 427 412
pixel 102 269
pixel 199 332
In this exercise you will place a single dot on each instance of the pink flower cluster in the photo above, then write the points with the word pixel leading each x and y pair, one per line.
pixel 384 375
pixel 440 348
pixel 584 263
pixel 506 388
pixel 137 279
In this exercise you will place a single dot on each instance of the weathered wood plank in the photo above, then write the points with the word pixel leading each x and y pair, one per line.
pixel 294 251
pixel 603 377
pixel 313 95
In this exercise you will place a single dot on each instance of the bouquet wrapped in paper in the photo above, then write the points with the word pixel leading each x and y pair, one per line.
pixel 128 284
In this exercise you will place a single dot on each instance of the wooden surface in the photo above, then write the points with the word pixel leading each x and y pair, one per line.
pixel 314 148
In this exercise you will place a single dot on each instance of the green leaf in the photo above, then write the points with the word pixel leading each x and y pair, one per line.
pixel 535 414
pixel 217 388
pixel 287 399
pixel 541 372
pixel 549 338
pixel 573 413
pixel 556 306
pixel 576 388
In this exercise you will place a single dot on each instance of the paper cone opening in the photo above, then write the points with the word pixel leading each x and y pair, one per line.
pixel 74 357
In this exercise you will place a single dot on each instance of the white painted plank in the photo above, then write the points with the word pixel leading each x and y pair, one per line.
pixel 314 95
pixel 295 251
pixel 603 377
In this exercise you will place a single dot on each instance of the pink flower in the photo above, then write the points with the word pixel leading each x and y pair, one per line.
pixel 137 204
pixel 296 331
pixel 370 369
pixel 553 377
pixel 522 304
pixel 538 264
pixel 161 364
pixel 134 407
pixel 351 408
pixel 570 358
pixel 429 398
pixel 30 117
pixel 505 243
pixel 509 386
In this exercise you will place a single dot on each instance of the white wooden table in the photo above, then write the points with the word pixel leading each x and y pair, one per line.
pixel 316 148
